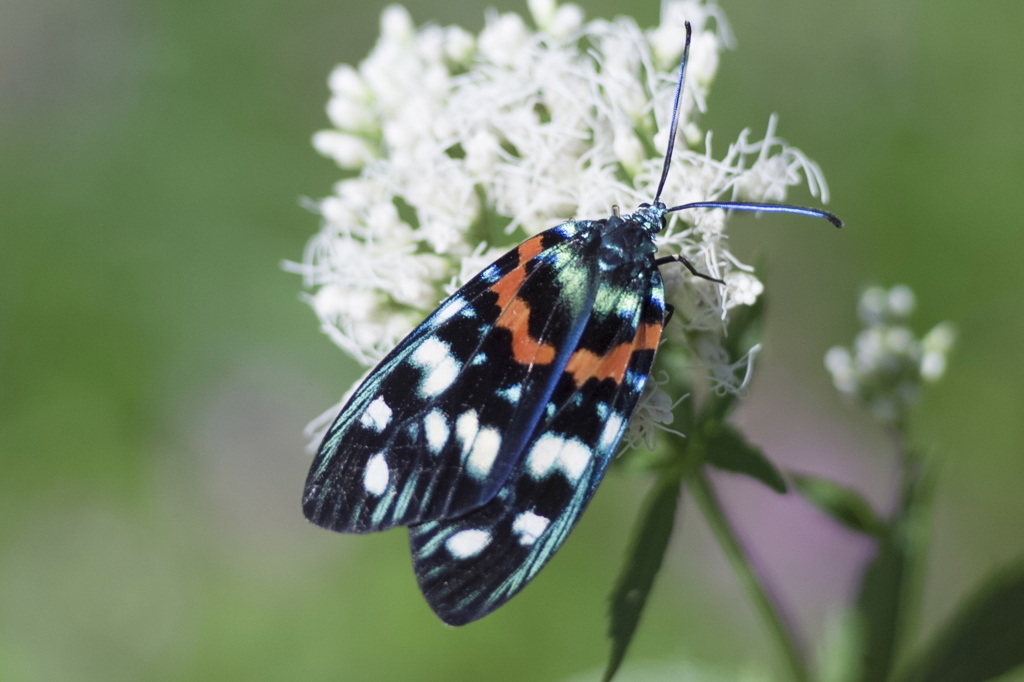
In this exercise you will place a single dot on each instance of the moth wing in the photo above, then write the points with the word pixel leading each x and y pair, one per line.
pixel 436 427
pixel 469 566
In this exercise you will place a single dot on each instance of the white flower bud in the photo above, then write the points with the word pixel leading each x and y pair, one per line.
pixel 346 82
pixel 659 406
pixel 703 65
pixel 654 412
pixel 458 44
pixel 890 364
pixel 348 151
pixel 503 38
pixel 482 152
pixel 870 349
pixel 628 149
pixel 667 44
pixel 933 366
pixel 436 80
pixel 901 301
pixel 542 11
pixel 711 221
pixel 400 137
pixel 840 365
pixel 693 134
pixel 940 339
pixel 766 180
pixel 396 24
pixel 332 301
pixel 873 305
pixel 743 288
pixel 336 211
pixel 348 114
pixel 384 217
pixel 567 20
pixel 430 46
pixel 414 291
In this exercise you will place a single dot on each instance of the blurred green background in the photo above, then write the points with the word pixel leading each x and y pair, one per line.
pixel 157 368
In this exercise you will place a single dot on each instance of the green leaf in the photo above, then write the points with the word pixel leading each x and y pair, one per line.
pixel 984 640
pixel 879 608
pixel 728 450
pixel 886 595
pixel 643 562
pixel 845 505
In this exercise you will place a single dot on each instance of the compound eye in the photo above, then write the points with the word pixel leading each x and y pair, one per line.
pixel 645 205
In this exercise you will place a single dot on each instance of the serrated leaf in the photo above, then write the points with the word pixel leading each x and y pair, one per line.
pixel 984 640
pixel 844 505
pixel 643 561
pixel 728 450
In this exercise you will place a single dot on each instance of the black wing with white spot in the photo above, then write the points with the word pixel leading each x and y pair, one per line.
pixel 436 428
pixel 469 566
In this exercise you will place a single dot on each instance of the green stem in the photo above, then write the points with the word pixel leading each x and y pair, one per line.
pixel 910 519
pixel 706 498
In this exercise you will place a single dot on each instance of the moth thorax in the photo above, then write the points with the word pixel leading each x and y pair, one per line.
pixel 625 242
pixel 651 217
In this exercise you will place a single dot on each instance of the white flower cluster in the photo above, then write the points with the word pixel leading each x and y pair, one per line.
pixel 460 146
pixel 887 365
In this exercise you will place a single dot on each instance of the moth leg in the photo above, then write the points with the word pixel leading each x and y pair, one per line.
pixel 670 310
pixel 688 265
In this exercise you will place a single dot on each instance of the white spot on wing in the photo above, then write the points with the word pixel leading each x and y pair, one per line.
pixel 512 393
pixel 485 450
pixel 529 526
pixel 440 369
pixel 543 455
pixel 465 428
pixel 610 433
pixel 377 415
pixel 449 309
pixel 552 452
pixel 441 377
pixel 574 459
pixel 375 476
pixel 468 543
pixel 436 427
pixel 430 352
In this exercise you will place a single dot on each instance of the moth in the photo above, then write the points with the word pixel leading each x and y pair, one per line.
pixel 487 429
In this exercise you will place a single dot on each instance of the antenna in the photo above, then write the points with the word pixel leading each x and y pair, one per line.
pixel 737 205
pixel 675 115
pixel 767 208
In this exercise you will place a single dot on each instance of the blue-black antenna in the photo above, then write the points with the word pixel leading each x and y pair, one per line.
pixel 737 205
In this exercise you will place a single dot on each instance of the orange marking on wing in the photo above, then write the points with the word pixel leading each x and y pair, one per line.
pixel 515 312
pixel 526 350
pixel 648 336
pixel 530 248
pixel 508 286
pixel 585 364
